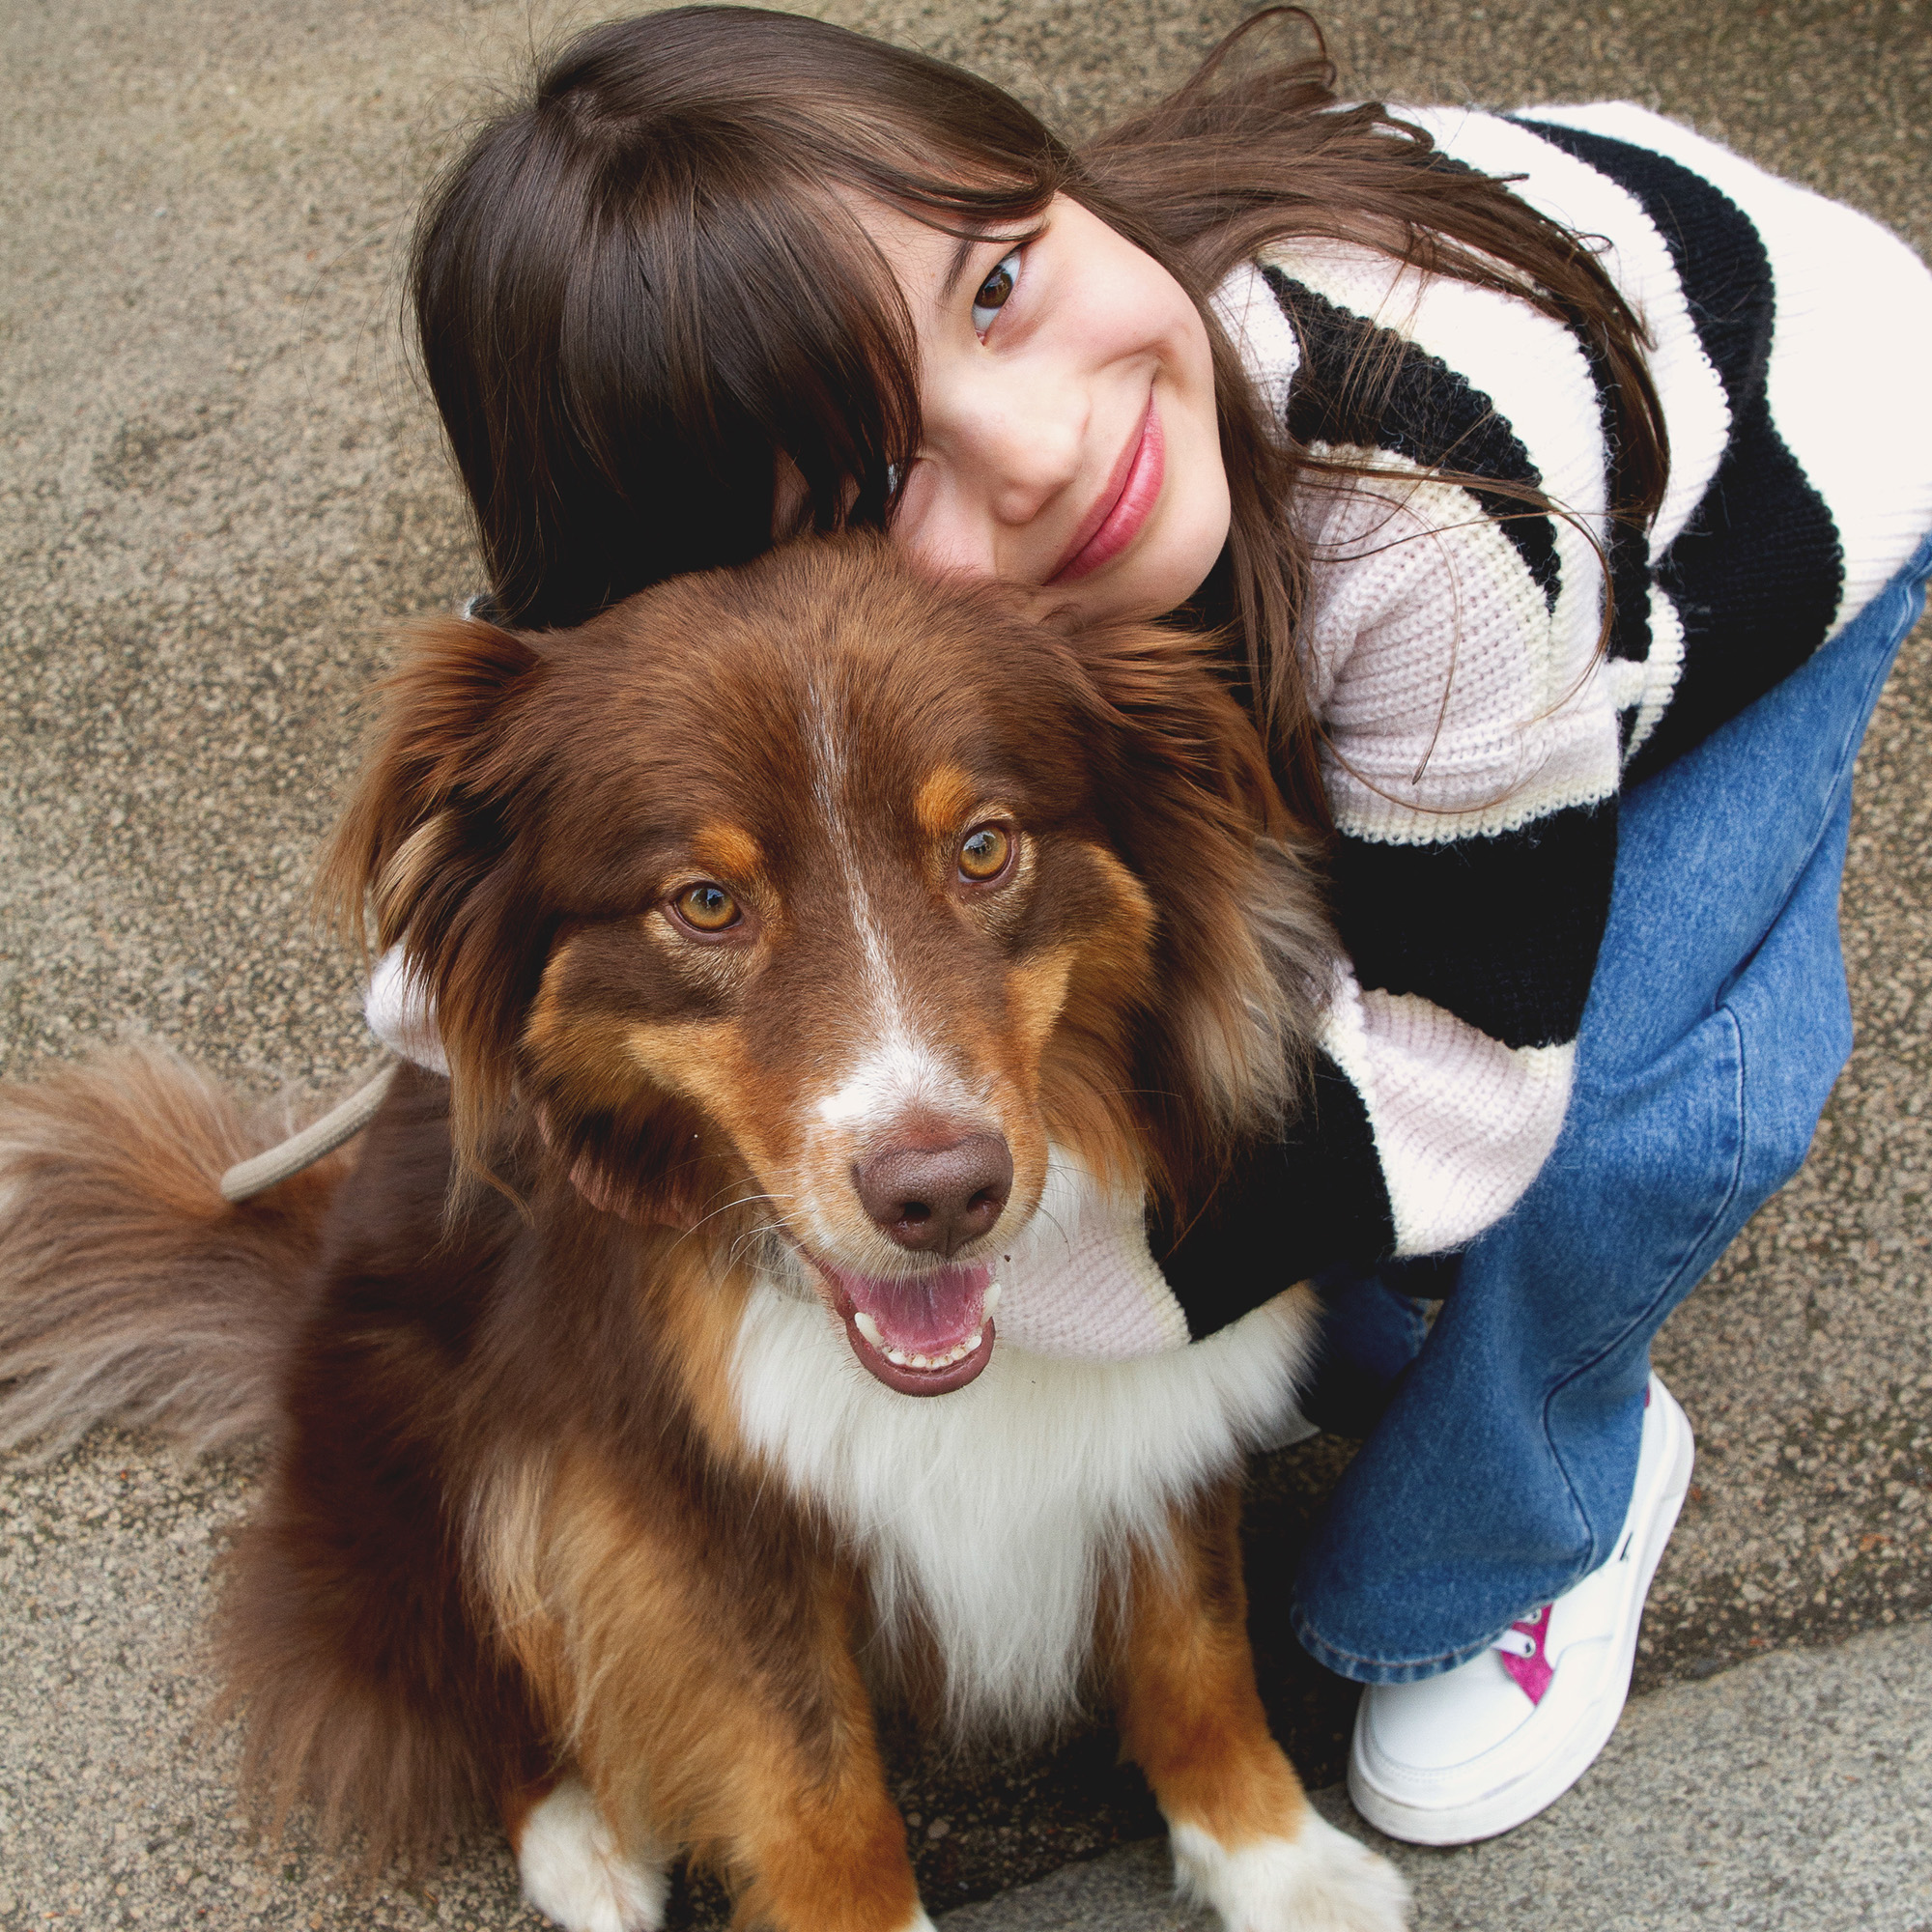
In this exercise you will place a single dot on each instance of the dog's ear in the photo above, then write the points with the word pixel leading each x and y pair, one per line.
pixel 654 1180
pixel 1177 719
pixel 1245 945
pixel 428 847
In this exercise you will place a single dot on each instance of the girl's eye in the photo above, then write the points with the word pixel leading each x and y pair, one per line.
pixel 992 294
pixel 708 907
pixel 983 854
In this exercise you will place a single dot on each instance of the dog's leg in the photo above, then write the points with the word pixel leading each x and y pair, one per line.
pixel 791 1797
pixel 790 1805
pixel 719 1708
pixel 1245 1838
pixel 832 1857
pixel 573 1868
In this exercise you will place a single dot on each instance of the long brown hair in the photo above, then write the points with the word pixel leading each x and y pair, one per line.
pixel 641 290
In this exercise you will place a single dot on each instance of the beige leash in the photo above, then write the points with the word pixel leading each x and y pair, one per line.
pixel 250 1178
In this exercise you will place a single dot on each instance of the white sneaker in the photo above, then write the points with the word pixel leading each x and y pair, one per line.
pixel 1480 1749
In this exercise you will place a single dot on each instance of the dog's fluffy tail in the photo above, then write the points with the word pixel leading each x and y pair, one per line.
pixel 129 1289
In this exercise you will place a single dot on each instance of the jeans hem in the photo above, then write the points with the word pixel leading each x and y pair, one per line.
pixel 1382 1669
pixel 1699 1257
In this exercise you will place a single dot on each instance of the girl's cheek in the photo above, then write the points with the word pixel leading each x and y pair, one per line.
pixel 915 502
pixel 917 525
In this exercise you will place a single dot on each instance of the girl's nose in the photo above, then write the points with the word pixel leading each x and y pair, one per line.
pixel 998 466
pixel 1024 463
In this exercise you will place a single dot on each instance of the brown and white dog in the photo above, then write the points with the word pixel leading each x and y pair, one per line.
pixel 815 950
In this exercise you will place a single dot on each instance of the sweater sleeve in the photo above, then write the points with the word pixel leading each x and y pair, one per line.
pixel 1487 675
pixel 1451 642
pixel 1471 764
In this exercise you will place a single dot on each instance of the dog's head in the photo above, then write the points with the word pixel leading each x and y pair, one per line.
pixel 816 899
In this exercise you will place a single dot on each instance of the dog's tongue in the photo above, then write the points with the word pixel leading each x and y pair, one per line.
pixel 925 1336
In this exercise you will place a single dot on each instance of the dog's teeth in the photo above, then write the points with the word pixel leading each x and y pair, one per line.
pixel 992 1302
pixel 901 1359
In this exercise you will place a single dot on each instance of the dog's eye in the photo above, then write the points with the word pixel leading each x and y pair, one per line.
pixel 708 907
pixel 985 853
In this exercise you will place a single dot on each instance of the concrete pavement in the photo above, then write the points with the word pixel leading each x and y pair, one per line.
pixel 219 484
pixel 1794 1791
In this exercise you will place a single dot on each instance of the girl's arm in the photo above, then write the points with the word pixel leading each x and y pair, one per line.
pixel 1473 762
pixel 1481 714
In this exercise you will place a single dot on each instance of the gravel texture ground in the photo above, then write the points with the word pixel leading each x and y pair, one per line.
pixel 220 486
pixel 1793 1792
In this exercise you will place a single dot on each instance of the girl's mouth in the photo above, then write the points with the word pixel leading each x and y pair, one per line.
pixel 1124 507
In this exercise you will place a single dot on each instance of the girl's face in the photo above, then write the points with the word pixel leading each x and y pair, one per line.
pixel 1068 398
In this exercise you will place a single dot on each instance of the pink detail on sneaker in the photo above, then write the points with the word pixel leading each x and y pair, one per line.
pixel 1532 1673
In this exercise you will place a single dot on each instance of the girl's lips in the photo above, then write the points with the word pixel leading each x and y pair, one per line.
pixel 1131 492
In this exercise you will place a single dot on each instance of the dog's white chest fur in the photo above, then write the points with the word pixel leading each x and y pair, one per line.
pixel 996 1510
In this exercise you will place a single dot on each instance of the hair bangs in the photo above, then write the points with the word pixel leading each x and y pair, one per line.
pixel 839 360
pixel 817 343
pixel 737 321
pixel 659 333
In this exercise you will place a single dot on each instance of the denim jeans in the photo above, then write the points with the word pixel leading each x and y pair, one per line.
pixel 1502 1469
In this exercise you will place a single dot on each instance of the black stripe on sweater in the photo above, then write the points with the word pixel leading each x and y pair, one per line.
pixel 1629 546
pixel 1716 249
pixel 1758 579
pixel 1502 931
pixel 1758 573
pixel 1289 1211
pixel 1371 388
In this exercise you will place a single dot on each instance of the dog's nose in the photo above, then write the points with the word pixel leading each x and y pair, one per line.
pixel 935 1199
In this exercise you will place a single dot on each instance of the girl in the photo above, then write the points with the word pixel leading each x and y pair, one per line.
pixel 1562 484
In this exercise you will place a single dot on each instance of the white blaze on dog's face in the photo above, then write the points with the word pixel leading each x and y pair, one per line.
pixel 919 1119
pixel 865 890
pixel 847 877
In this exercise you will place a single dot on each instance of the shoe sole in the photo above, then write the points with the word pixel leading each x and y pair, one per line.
pixel 1537 1789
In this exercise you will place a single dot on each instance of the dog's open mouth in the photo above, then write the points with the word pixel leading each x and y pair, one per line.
pixel 927 1335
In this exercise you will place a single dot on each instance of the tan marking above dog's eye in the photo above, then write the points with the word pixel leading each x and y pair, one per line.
pixel 708 907
pixel 945 797
pixel 985 853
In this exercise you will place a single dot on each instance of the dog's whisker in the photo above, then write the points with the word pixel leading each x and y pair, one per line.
pixel 728 1207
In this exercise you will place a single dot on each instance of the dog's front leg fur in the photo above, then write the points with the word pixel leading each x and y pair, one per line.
pixel 1245 1838
pixel 573 1870
pixel 726 1715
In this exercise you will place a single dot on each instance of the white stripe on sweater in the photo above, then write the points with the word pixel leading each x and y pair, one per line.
pixel 1261 336
pixel 1462 1122
pixel 1847 379
pixel 1455 706
pixel 1636 260
pixel 1660 668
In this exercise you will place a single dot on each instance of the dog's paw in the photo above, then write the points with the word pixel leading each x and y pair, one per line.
pixel 1320 1881
pixel 575 1872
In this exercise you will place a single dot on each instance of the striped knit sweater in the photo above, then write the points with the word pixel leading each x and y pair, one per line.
pixel 1476 740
